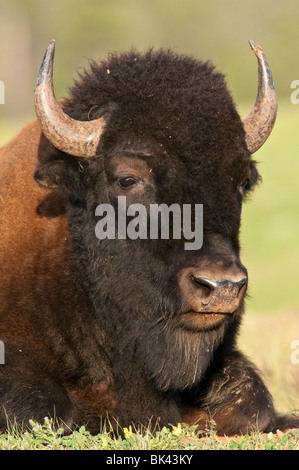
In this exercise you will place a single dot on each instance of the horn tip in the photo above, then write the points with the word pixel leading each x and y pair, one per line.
pixel 257 49
pixel 50 49
pixel 46 64
pixel 51 44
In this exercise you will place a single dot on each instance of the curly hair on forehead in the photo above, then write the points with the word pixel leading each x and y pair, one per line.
pixel 175 99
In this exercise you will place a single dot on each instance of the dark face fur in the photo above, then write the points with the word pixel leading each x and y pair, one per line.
pixel 173 136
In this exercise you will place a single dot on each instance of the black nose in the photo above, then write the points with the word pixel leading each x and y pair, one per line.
pixel 216 296
pixel 212 286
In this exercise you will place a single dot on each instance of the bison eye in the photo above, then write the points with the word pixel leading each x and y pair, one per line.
pixel 128 182
pixel 243 187
pixel 245 184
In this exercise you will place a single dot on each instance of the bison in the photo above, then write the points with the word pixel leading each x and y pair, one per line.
pixel 119 330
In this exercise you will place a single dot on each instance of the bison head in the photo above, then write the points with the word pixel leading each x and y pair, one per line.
pixel 156 128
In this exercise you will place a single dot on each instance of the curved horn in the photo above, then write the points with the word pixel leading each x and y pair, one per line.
pixel 260 122
pixel 78 138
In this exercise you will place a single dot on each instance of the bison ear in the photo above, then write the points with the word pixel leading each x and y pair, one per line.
pixel 56 174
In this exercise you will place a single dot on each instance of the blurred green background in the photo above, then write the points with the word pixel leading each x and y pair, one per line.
pixel 218 31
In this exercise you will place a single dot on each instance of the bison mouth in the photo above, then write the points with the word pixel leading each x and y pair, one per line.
pixel 199 321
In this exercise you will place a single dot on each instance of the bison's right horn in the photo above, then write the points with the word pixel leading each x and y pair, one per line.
pixel 260 122
pixel 78 138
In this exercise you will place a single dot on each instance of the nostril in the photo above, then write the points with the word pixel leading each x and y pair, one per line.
pixel 204 285
pixel 205 282
pixel 241 284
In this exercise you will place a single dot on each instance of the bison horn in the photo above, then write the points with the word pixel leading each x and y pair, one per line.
pixel 78 138
pixel 81 138
pixel 260 122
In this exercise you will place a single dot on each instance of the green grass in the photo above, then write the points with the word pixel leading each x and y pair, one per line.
pixel 43 437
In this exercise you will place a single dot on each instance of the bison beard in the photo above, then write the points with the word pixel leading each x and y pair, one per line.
pixel 176 358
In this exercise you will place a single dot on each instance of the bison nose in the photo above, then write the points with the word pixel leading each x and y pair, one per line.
pixel 219 294
pixel 213 286
pixel 209 295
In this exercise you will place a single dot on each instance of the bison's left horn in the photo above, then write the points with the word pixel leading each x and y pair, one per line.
pixel 78 138
pixel 260 122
